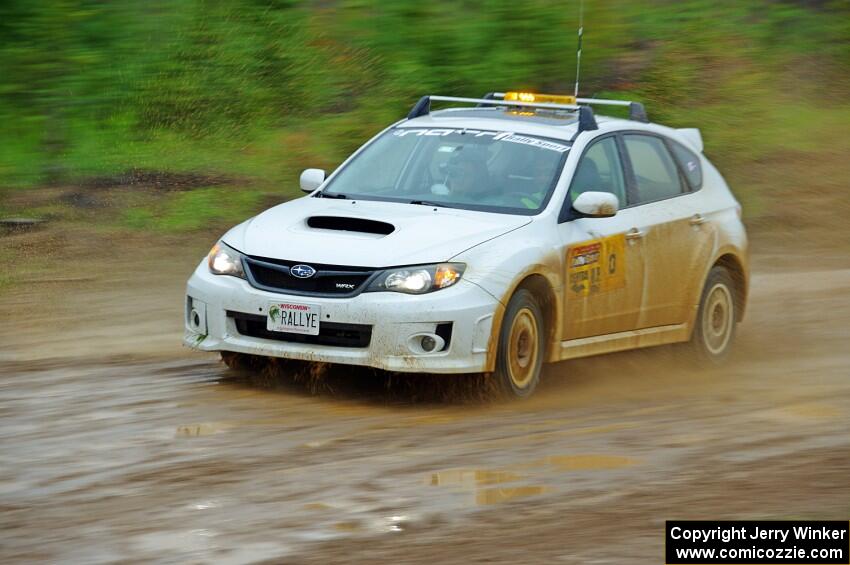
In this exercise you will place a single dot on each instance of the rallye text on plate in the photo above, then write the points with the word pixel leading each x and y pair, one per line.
pixel 293 318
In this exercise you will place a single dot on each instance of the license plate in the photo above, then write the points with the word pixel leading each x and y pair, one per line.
pixel 293 318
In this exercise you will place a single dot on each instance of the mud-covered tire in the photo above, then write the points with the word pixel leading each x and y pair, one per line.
pixel 519 357
pixel 717 316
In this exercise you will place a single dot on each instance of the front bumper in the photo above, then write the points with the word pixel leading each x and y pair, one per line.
pixel 394 318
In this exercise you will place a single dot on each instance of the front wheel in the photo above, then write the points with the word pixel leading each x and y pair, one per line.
pixel 714 329
pixel 521 344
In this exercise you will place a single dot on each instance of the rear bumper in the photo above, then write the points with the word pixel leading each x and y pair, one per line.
pixel 214 303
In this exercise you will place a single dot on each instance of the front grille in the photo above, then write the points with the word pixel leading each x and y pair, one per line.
pixel 330 333
pixel 330 280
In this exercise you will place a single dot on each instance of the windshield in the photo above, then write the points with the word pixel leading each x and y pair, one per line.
pixel 457 168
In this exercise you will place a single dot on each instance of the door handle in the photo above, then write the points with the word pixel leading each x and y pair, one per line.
pixel 698 219
pixel 634 233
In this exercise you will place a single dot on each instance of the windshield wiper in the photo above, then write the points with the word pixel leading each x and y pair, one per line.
pixel 430 203
pixel 324 194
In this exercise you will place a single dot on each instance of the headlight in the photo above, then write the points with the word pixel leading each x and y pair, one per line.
pixel 420 279
pixel 224 260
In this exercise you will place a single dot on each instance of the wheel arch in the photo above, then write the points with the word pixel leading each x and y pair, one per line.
pixel 542 290
pixel 736 264
pixel 733 264
pixel 541 287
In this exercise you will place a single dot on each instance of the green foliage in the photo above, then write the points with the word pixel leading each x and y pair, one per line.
pixel 6 274
pixel 234 65
pixel 188 211
pixel 259 89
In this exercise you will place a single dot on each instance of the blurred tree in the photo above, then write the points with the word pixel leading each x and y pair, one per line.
pixel 86 73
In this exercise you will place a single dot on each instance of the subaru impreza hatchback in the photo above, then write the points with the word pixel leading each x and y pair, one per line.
pixel 490 236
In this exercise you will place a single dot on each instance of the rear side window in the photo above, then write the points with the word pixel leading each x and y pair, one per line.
pixel 690 164
pixel 656 174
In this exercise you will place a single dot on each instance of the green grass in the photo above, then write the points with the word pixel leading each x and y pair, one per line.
pixel 6 275
pixel 737 133
pixel 258 92
pixel 199 209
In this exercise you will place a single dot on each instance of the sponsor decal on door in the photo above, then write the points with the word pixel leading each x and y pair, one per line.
pixel 597 266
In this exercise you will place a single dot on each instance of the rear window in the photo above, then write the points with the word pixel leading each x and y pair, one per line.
pixel 689 162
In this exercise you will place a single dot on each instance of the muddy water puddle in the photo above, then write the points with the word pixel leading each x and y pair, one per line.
pixel 179 460
pixel 486 487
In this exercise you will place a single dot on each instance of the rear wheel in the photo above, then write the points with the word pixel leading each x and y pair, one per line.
pixel 714 330
pixel 521 343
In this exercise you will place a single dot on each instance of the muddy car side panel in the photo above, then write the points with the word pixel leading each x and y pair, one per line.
pixel 730 244
pixel 501 265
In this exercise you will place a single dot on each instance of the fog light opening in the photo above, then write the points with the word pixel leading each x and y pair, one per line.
pixel 428 343
pixel 196 319
pixel 425 343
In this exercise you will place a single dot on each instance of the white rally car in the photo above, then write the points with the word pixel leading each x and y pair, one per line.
pixel 491 236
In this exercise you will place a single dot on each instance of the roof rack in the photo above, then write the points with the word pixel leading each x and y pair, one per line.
pixel 586 119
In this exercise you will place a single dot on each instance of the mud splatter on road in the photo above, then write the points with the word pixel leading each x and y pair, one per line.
pixel 115 444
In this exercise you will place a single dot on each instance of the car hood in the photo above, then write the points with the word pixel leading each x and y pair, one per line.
pixel 355 232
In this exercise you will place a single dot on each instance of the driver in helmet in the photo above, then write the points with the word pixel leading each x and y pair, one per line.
pixel 541 178
pixel 468 176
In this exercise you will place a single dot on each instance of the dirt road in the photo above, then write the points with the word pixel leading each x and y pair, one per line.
pixel 116 444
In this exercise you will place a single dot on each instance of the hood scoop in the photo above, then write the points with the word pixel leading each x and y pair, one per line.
pixel 343 223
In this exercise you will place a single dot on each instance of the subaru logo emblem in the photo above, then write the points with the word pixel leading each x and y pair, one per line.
pixel 302 271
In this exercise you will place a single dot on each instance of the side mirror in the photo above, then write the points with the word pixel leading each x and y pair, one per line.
pixel 596 204
pixel 311 179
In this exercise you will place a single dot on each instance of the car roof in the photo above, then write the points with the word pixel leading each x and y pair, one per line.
pixel 558 125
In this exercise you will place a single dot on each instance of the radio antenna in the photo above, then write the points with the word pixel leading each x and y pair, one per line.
pixel 578 51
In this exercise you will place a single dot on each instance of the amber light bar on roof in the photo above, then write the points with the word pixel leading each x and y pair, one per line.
pixel 534 97
pixel 581 106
